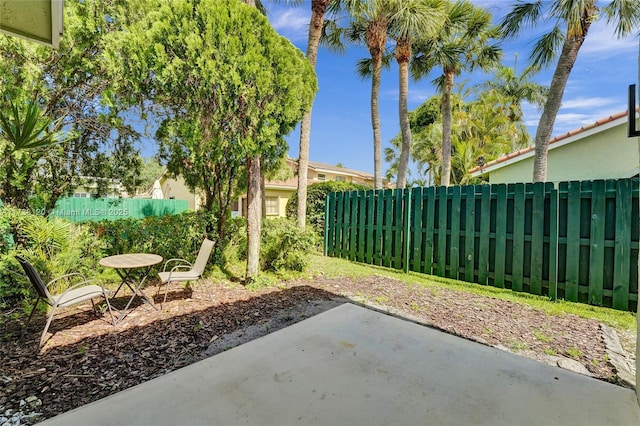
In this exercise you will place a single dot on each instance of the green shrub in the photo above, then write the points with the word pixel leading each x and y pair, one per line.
pixel 55 247
pixel 284 247
pixel 169 236
pixel 316 195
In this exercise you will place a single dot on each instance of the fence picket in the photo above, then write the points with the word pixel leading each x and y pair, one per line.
pixel 500 235
pixel 379 226
pixel 370 197
pixel 596 256
pixel 416 227
pixel 517 269
pixel 469 233
pixel 398 228
pixel 537 238
pixel 441 263
pixel 485 223
pixel 355 227
pixel 553 244
pixel 572 256
pixel 429 243
pixel 454 250
pixel 622 255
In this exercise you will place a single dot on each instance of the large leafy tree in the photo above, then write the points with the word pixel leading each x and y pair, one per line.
pixel 67 84
pixel 570 22
pixel 467 42
pixel 228 89
pixel 412 19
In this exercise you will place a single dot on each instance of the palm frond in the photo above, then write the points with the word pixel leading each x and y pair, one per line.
pixel 26 127
pixel 625 14
pixel 522 15
pixel 547 48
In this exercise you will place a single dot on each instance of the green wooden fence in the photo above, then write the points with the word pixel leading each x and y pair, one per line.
pixel 577 242
pixel 84 209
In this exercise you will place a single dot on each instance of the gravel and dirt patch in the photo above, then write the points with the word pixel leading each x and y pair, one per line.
pixel 87 359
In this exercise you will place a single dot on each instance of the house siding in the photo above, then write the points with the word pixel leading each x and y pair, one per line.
pixel 608 154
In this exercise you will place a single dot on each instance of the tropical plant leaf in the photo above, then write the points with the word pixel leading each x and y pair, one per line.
pixel 27 127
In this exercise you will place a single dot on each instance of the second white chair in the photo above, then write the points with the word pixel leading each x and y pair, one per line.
pixel 184 271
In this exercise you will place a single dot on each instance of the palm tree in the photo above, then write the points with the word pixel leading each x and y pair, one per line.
pixel 412 19
pixel 464 44
pixel 318 10
pixel 516 88
pixel 572 20
pixel 370 24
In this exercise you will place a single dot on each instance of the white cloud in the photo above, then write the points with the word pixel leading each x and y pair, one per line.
pixel 601 42
pixel 589 103
pixel 292 22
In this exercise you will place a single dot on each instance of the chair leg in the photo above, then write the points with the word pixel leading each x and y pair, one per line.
pixel 206 286
pixel 106 299
pixel 166 291
pixel 33 310
pixel 46 327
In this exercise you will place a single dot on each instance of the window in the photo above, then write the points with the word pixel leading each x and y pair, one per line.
pixel 340 179
pixel 271 204
pixel 81 195
pixel 322 176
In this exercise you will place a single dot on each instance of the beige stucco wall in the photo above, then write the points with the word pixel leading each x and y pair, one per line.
pixel 283 196
pixel 176 188
pixel 609 154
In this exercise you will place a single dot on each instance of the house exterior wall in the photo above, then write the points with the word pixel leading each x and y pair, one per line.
pixel 281 190
pixel 608 154
pixel 281 198
pixel 177 189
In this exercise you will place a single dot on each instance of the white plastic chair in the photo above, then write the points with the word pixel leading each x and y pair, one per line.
pixel 184 271
pixel 77 293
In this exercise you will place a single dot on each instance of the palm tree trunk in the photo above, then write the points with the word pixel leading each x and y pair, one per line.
pixel 567 59
pixel 554 101
pixel 318 9
pixel 403 54
pixel 376 39
pixel 375 122
pixel 445 174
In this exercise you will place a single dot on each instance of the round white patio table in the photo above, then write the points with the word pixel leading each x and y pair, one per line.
pixel 133 269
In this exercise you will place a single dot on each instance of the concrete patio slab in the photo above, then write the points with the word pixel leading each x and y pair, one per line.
pixel 355 366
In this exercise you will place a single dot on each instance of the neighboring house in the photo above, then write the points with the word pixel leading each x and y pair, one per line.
pixel 600 150
pixel 176 188
pixel 277 192
pixel 115 189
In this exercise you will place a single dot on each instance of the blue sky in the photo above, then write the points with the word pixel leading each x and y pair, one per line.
pixel 341 124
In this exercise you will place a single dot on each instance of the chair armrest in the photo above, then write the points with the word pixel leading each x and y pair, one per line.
pixel 84 283
pixel 183 262
pixel 67 276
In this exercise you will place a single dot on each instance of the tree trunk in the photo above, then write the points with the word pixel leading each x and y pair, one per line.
pixel 254 216
pixel 263 195
pixel 566 61
pixel 318 9
pixel 375 123
pixel 445 174
pixel 403 54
